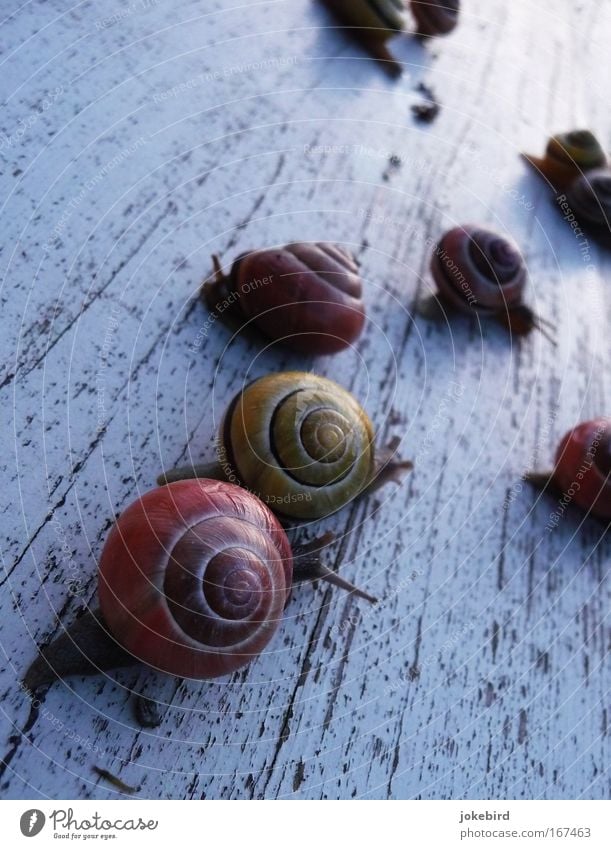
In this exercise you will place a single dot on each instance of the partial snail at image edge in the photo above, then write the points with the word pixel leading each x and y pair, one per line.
pixel 476 270
pixel 577 169
pixel 193 581
pixel 582 469
pixel 373 22
pixel 300 442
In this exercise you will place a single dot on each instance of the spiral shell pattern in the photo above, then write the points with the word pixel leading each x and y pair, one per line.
pixel 306 295
pixel 589 197
pixel 435 17
pixel 568 155
pixel 476 268
pixel 583 466
pixel 194 578
pixel 299 442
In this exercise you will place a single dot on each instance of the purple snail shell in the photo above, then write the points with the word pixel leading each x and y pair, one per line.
pixel 475 268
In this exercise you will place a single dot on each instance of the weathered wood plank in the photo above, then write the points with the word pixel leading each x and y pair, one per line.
pixel 171 134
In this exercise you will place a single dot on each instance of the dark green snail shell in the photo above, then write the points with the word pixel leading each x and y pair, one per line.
pixel 589 198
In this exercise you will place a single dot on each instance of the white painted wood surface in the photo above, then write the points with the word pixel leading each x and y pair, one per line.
pixel 134 146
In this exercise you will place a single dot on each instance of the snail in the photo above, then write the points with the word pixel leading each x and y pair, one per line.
pixel 589 199
pixel 301 443
pixel 308 296
pixel 567 156
pixel 435 17
pixel 193 580
pixel 582 468
pixel 477 269
pixel 372 23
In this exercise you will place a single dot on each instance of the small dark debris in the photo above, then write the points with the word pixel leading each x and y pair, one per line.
pixel 147 712
pixel 427 111
pixel 413 673
pixel 299 776
pixel 112 779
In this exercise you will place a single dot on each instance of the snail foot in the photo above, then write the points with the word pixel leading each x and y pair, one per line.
pixel 86 648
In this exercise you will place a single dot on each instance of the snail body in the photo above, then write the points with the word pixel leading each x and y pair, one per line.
pixel 301 443
pixel 372 22
pixel 308 296
pixel 583 467
pixel 193 581
pixel 589 198
pixel 435 17
pixel 567 156
pixel 477 269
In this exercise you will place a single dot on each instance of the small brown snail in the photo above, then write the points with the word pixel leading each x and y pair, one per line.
pixel 477 269
pixel 308 296
pixel 299 442
pixel 372 23
pixel 589 199
pixel 583 467
pixel 567 156
pixel 435 17
pixel 193 581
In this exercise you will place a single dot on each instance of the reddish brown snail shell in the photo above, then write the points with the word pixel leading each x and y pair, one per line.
pixel 435 17
pixel 582 468
pixel 477 269
pixel 307 296
pixel 193 581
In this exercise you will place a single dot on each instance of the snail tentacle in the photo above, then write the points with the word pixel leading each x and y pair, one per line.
pixel 307 566
pixel 435 17
pixel 582 470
